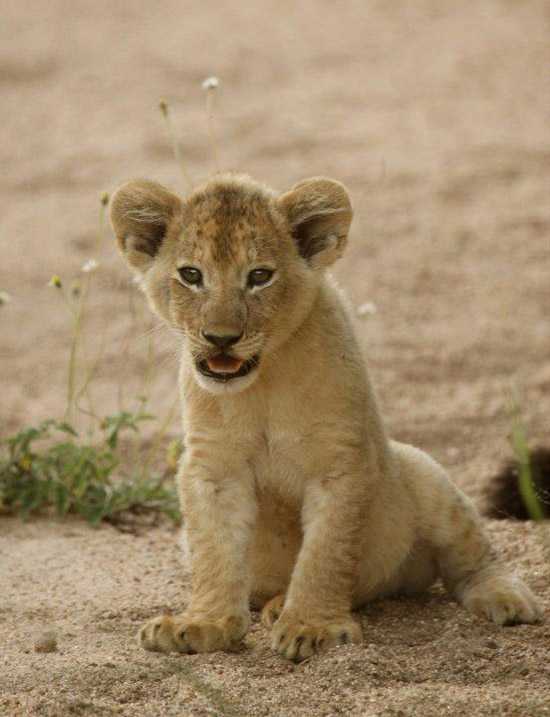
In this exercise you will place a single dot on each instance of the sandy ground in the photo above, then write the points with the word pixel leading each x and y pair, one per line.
pixel 436 115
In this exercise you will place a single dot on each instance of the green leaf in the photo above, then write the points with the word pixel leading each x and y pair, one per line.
pixel 66 428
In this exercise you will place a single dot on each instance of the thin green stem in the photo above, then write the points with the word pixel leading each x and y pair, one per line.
pixel 176 146
pixel 210 94
pixel 102 233
pixel 526 484
pixel 153 450
pixel 71 375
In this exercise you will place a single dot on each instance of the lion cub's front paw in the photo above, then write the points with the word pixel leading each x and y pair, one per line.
pixel 296 639
pixel 188 634
pixel 504 599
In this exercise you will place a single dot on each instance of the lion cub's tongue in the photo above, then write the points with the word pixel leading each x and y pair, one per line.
pixel 224 364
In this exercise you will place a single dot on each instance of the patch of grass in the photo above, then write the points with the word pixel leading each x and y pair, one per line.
pixel 521 488
pixel 57 468
pixel 526 483
pixel 50 468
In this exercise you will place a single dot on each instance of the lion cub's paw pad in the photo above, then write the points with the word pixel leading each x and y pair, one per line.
pixel 272 610
pixel 188 635
pixel 504 600
pixel 296 641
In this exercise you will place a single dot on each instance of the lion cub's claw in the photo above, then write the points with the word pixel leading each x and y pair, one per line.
pixel 297 640
pixel 189 635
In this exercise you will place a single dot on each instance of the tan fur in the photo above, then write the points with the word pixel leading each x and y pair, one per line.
pixel 290 490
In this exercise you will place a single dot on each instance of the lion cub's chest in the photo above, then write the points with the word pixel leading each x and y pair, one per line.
pixel 281 464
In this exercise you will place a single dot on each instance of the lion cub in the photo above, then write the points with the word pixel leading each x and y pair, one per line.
pixel 292 496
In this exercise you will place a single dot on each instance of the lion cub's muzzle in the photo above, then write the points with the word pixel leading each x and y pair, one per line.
pixel 224 365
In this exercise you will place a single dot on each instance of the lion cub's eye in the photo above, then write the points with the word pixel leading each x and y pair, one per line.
pixel 259 277
pixel 190 275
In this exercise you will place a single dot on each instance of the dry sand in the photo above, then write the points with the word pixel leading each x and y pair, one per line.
pixel 436 115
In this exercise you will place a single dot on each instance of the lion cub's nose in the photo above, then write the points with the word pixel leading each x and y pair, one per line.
pixel 222 342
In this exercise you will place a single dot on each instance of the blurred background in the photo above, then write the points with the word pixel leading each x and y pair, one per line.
pixel 435 114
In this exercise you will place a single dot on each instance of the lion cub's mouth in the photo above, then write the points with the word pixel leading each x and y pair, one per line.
pixel 224 368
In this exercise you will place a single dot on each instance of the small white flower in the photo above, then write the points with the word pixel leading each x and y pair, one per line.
pixel 211 83
pixel 366 309
pixel 5 298
pixel 89 266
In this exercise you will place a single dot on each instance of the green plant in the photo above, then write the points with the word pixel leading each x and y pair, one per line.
pixel 48 467
pixel 526 484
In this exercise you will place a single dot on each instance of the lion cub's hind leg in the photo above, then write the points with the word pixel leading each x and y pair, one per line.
pixel 271 611
pixel 451 525
pixel 499 596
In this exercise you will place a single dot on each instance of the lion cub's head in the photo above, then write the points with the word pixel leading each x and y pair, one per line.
pixel 234 267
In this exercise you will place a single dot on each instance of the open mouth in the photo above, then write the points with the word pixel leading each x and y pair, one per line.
pixel 224 368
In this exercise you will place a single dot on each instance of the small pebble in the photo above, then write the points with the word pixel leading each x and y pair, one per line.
pixel 493 644
pixel 46 642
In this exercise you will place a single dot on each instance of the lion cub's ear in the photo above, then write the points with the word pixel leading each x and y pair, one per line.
pixel 319 213
pixel 141 213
